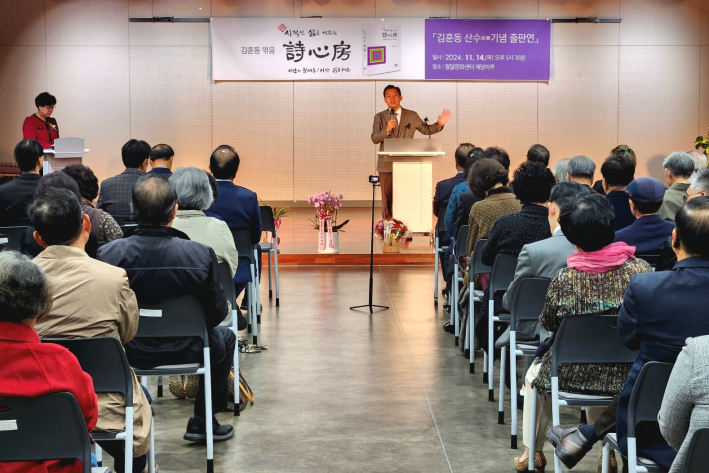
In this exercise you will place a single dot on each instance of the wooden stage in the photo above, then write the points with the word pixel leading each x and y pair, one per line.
pixel 298 241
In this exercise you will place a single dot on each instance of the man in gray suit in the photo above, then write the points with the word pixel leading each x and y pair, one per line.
pixel 543 259
pixel 397 122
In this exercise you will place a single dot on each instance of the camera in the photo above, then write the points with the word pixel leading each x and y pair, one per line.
pixel 373 179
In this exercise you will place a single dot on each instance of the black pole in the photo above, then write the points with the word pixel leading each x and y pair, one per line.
pixel 371 260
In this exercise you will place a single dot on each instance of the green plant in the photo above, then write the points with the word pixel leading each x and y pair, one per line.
pixel 702 143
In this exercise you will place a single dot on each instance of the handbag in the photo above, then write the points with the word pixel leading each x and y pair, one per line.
pixel 184 387
pixel 246 394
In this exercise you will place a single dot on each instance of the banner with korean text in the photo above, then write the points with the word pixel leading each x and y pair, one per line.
pixel 379 49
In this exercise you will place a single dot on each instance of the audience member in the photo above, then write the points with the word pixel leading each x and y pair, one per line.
pixel 581 169
pixel 678 168
pixel 559 170
pixel 499 155
pixel 215 196
pixel 162 263
pixel 116 191
pixel 618 172
pixel 103 226
pixel 648 322
pixel 621 151
pixel 543 259
pixel 469 195
pixel 445 187
pixel 16 195
pixel 30 368
pixel 452 205
pixel 90 299
pixel 161 157
pixel 649 232
pixel 538 154
pixel 593 283
pixel 700 159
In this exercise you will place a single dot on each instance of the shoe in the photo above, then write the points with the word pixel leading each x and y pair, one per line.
pixel 569 445
pixel 448 327
pixel 197 430
pixel 540 462
pixel 614 463
pixel 446 307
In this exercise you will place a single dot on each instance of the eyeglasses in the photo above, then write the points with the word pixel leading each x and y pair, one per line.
pixel 48 107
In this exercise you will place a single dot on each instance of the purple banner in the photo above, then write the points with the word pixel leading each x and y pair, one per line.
pixel 488 49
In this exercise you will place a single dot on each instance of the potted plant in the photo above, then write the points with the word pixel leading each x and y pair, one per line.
pixel 702 143
pixel 391 232
pixel 326 206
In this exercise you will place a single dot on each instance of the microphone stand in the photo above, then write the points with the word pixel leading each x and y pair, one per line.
pixel 371 263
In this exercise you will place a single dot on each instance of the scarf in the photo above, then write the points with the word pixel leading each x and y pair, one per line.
pixel 606 259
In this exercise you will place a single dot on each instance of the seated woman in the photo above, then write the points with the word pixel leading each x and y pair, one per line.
pixel 30 368
pixel 593 283
pixel 103 226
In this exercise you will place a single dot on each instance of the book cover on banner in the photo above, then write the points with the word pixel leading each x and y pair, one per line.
pixel 381 48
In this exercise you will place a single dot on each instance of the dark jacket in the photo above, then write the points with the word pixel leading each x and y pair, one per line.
pixel 162 263
pixel 621 205
pixel 15 196
pixel 660 311
pixel 161 170
pixel 465 203
pixel 647 234
pixel 239 208
pixel 116 192
pixel 443 191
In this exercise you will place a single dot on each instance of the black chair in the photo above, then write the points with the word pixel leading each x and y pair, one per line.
pixel 228 284
pixel 526 306
pixel 697 453
pixel 644 406
pixel 268 224
pixel 459 250
pixel 179 318
pixel 49 427
pixel 441 244
pixel 11 237
pixel 476 267
pixel 242 241
pixel 653 259
pixel 124 220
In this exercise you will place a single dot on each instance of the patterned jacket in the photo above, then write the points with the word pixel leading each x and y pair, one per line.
pixel 116 192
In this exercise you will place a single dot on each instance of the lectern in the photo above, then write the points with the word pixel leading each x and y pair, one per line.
pixel 412 160
pixel 66 151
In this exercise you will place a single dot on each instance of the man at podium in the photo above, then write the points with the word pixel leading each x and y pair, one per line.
pixel 397 122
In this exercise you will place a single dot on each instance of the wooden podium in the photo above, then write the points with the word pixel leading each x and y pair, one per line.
pixel 66 151
pixel 412 179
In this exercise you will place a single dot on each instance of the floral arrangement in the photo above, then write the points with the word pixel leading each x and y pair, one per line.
pixel 702 143
pixel 326 206
pixel 391 230
pixel 278 213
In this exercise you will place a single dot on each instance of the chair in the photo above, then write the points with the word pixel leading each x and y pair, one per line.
pixel 11 237
pixel 501 276
pixel 104 359
pixel 441 237
pixel 697 453
pixel 228 284
pixel 581 339
pixel 653 259
pixel 49 427
pixel 476 267
pixel 268 224
pixel 527 304
pixel 242 241
pixel 124 220
pixel 181 317
pixel 459 250
pixel 644 406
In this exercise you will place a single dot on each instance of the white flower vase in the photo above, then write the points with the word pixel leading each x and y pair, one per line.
pixel 328 242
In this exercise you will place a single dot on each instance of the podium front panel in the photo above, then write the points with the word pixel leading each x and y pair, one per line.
pixel 412 194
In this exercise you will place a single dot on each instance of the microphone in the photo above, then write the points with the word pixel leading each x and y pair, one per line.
pixel 425 120
pixel 392 115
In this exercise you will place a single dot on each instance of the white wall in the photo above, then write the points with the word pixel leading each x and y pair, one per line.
pixel 636 83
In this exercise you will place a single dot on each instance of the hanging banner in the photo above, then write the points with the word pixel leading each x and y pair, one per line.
pixel 379 49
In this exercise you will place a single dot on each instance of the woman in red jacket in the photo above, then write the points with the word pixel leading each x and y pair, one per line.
pixel 41 126
pixel 30 368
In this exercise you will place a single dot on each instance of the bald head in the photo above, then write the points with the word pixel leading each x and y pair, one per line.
pixel 153 201
pixel 224 162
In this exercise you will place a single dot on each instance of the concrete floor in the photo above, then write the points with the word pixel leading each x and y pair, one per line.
pixel 343 391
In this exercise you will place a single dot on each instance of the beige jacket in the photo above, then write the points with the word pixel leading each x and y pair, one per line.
pixel 409 123
pixel 211 232
pixel 94 299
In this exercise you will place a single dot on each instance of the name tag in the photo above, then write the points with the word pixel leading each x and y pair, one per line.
pixel 6 425
pixel 150 313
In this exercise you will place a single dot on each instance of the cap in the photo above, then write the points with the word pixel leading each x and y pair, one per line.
pixel 646 189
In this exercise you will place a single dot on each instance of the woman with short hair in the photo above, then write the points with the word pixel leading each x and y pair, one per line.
pixel 40 125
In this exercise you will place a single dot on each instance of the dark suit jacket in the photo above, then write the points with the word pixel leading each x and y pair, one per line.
pixel 443 191
pixel 466 201
pixel 116 191
pixel 239 208
pixel 621 205
pixel 659 312
pixel 161 170
pixel 409 123
pixel 15 196
pixel 647 234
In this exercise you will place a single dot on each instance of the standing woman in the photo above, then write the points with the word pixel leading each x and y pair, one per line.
pixel 41 126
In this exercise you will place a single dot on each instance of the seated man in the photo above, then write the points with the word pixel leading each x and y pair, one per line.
pixel 454 202
pixel 445 187
pixel 648 321
pixel 16 195
pixel 30 368
pixel 162 263
pixel 649 232
pixel 90 299
pixel 538 154
pixel 618 172
pixel 581 169
pixel 161 157
pixel 678 168
pixel 116 191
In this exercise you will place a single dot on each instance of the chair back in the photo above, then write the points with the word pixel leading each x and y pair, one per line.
pixel 177 317
pixel 502 274
pixel 476 261
pixel 698 453
pixel 268 224
pixel 589 339
pixel 648 391
pixel 124 220
pixel 49 427
pixel 653 259
pixel 529 300
pixel 242 241
pixel 104 359
pixel 227 283
pixel 461 242
pixel 13 235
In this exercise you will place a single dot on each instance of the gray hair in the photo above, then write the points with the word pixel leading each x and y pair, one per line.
pixel 679 163
pixel 581 166
pixel 24 288
pixel 193 189
pixel 700 181
pixel 700 161
pixel 559 170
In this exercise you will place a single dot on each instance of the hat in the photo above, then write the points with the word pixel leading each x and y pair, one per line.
pixel 646 189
